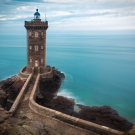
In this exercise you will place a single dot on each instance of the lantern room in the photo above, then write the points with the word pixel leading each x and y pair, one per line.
pixel 37 15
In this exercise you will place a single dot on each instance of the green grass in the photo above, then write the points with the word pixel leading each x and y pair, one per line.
pixel 26 123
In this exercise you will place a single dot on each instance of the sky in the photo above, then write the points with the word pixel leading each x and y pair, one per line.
pixel 69 15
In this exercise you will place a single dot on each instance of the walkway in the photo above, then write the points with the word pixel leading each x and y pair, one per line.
pixel 23 109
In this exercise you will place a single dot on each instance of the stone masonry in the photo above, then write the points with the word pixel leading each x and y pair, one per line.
pixel 36 43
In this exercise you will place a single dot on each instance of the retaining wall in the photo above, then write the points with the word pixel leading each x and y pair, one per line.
pixel 66 124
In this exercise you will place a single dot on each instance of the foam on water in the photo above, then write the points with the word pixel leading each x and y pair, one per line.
pixel 69 94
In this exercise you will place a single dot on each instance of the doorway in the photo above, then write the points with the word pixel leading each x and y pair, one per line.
pixel 36 63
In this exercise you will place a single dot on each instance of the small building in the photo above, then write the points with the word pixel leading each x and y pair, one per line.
pixel 36 42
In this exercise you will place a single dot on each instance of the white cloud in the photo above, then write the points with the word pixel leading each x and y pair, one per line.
pixel 23 8
pixel 2 15
pixel 3 19
pixel 75 14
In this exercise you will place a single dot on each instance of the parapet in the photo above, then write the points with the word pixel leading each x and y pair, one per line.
pixel 36 24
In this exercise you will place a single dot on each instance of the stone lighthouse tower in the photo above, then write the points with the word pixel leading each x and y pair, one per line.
pixel 36 42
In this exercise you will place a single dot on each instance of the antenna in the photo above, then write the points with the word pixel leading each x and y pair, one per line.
pixel 45 14
pixel 45 17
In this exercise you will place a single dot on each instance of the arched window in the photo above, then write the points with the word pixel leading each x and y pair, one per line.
pixel 42 34
pixel 30 47
pixel 41 47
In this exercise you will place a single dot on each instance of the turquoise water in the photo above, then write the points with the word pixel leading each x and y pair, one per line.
pixel 99 69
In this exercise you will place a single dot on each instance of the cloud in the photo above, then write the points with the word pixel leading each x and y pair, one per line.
pixel 23 7
pixel 71 14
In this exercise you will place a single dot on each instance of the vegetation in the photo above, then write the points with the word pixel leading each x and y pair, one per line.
pixel 26 123
pixel 24 117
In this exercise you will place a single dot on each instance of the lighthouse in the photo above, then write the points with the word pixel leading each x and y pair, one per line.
pixel 36 42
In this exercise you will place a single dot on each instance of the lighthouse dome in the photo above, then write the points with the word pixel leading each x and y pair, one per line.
pixel 37 15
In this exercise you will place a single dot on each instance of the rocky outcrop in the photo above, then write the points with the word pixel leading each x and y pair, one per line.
pixel 59 103
pixel 9 89
pixel 3 114
pixel 49 86
pixel 103 115
pixel 3 98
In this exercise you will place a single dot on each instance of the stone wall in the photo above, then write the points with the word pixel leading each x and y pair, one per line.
pixel 23 75
pixel 63 123
pixel 20 95
pixel 47 74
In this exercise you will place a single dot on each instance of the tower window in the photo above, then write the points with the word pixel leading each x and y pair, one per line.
pixel 30 47
pixel 36 34
pixel 41 47
pixel 41 60
pixel 30 60
pixel 36 48
pixel 42 33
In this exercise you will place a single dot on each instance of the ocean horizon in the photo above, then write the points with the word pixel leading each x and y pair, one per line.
pixel 99 69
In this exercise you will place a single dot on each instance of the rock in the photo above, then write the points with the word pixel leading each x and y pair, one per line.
pixel 49 86
pixel 104 115
pixel 36 127
pixel 3 98
pixel 3 114
pixel 8 104
pixel 22 127
pixel 9 90
pixel 62 104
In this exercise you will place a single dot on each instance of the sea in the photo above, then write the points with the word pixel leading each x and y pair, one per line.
pixel 99 69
